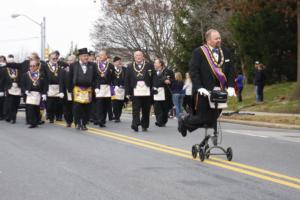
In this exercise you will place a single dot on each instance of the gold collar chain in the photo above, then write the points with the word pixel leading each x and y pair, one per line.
pixel 11 75
pixel 214 59
pixel 34 80
pixel 139 72
pixel 53 71
pixel 102 72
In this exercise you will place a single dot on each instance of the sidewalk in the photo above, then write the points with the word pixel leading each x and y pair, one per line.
pixel 246 117
pixel 264 113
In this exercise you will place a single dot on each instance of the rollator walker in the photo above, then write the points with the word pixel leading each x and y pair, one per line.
pixel 217 99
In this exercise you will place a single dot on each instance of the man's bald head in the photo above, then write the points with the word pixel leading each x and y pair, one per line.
pixel 138 57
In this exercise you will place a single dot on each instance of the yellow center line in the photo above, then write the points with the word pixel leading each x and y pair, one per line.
pixel 211 158
pixel 233 166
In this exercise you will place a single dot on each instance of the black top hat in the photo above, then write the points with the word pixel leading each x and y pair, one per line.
pixel 116 58
pixel 82 51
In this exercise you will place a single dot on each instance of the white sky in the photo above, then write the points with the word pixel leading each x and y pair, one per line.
pixel 66 21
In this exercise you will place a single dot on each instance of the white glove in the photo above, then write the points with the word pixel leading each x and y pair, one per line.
pixel 97 90
pixel 61 95
pixel 1 94
pixel 231 91
pixel 203 91
pixel 44 97
pixel 27 92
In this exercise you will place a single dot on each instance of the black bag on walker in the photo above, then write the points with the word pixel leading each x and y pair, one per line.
pixel 218 96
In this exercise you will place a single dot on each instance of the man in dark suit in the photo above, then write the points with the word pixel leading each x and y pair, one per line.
pixel 53 73
pixel 138 88
pixel 82 81
pixel 105 78
pixel 119 88
pixel 162 80
pixel 211 69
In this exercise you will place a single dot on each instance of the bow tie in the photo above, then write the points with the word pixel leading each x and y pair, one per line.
pixel 215 50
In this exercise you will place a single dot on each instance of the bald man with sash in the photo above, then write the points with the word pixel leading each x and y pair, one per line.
pixel 211 69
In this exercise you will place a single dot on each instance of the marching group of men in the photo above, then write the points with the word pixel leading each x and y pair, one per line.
pixel 85 90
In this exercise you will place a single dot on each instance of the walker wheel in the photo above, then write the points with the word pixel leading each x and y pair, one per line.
pixel 194 151
pixel 229 154
pixel 207 152
pixel 201 154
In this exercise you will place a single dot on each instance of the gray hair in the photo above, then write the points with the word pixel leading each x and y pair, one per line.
pixel 209 32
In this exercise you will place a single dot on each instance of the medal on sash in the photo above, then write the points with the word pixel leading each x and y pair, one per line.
pixel 34 77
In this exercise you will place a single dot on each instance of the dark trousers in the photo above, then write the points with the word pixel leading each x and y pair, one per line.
pixel 53 107
pixel 68 111
pixel 12 103
pixel 138 104
pixel 204 116
pixel 239 94
pixel 187 103
pixel 33 113
pixel 81 113
pixel 117 106
pixel 260 93
pixel 1 107
pixel 161 110
pixel 110 112
pixel 103 105
pixel 59 109
pixel 93 113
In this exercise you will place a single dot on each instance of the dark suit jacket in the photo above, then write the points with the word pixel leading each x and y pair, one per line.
pixel 77 78
pixel 203 77
pixel 132 79
pixel 108 76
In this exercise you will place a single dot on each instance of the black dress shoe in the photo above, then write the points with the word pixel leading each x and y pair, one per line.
pixel 181 128
pixel 102 125
pixel 78 127
pixel 7 120
pixel 160 125
pixel 135 128
pixel 84 128
pixel 69 125
pixel 117 120
pixel 144 129
pixel 13 121
pixel 41 122
pixel 32 126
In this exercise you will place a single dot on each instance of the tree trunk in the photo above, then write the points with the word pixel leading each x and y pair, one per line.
pixel 296 93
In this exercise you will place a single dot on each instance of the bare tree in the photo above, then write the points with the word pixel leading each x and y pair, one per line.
pixel 136 25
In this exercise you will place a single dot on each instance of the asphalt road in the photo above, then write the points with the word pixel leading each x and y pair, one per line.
pixel 54 162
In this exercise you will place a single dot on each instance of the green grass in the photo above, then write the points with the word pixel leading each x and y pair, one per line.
pixel 276 99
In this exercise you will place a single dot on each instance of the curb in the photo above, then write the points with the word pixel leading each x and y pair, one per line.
pixel 262 124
